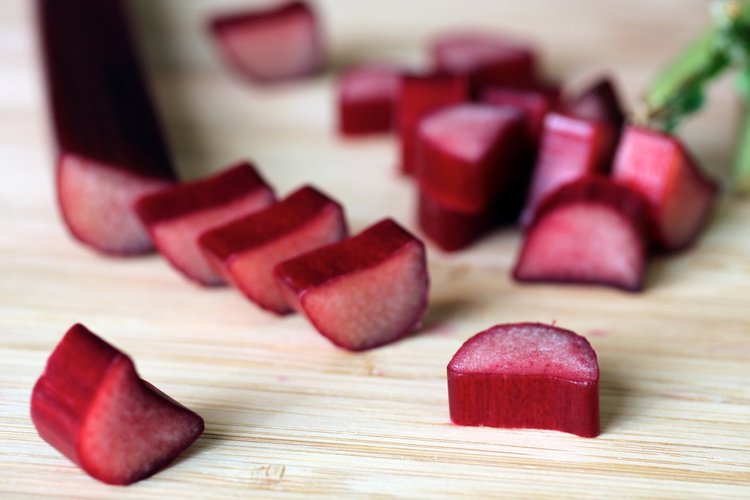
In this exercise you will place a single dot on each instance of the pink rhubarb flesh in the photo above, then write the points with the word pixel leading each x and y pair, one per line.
pixel 590 231
pixel 110 147
pixel 177 216
pixel 274 44
pixel 91 406
pixel 363 292
pixel 367 97
pixel 526 375
pixel 247 250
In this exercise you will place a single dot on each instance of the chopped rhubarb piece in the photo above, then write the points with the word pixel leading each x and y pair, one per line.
pixel 571 148
pixel 110 147
pixel 362 292
pixel 526 375
pixel 589 231
pixel 451 230
pixel 367 97
pixel 598 102
pixel 273 44
pixel 177 216
pixel 247 250
pixel 534 103
pixel 680 196
pixel 487 60
pixel 469 153
pixel 418 97
pixel 91 405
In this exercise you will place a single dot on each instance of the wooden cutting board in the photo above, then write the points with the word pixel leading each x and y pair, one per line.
pixel 286 412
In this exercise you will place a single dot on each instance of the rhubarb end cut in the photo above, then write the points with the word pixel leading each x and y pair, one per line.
pixel 97 203
pixel 91 406
pixel 526 375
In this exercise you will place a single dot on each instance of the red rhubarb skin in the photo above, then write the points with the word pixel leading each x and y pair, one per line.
pixel 418 97
pixel 368 111
pixel 508 400
pixel 535 104
pixel 598 102
pixel 223 25
pixel 101 108
pixel 470 186
pixel 362 252
pixel 75 374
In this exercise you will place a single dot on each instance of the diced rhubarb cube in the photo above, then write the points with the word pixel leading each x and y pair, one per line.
pixel 534 103
pixel 487 60
pixel 362 292
pixel 570 149
pixel 367 97
pixel 272 44
pixel 177 216
pixel 680 196
pixel 599 102
pixel 469 154
pixel 452 230
pixel 589 231
pixel 526 375
pixel 91 405
pixel 418 97
pixel 247 250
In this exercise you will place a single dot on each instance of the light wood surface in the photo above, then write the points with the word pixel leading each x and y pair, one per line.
pixel 286 412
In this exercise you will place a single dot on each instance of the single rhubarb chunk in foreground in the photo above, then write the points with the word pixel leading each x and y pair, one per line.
pixel 533 103
pixel 93 408
pixel 367 97
pixel 469 154
pixel 598 102
pixel 680 196
pixel 452 230
pixel 273 44
pixel 526 375
pixel 247 250
pixel 487 60
pixel 176 217
pixel 110 147
pixel 589 231
pixel 418 97
pixel 571 148
pixel 362 292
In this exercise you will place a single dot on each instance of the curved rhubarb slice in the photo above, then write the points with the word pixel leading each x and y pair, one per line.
pixel 93 408
pixel 589 231
pixel 526 375
pixel 469 154
pixel 367 97
pixel 247 250
pixel 599 102
pixel 268 45
pixel 571 148
pixel 680 196
pixel 110 148
pixel 362 292
pixel 177 216
pixel 420 95
pixel 488 60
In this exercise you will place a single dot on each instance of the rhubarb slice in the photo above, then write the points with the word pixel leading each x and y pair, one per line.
pixel 487 60
pixel 272 44
pixel 367 97
pixel 362 292
pixel 93 408
pixel 526 375
pixel 176 217
pixel 418 97
pixel 589 231
pixel 599 102
pixel 110 148
pixel 533 103
pixel 468 154
pixel 680 196
pixel 570 149
pixel 247 250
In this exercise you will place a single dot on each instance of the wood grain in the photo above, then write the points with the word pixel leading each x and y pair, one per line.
pixel 287 413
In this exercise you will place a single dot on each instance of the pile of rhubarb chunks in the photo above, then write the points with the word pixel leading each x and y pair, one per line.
pixel 486 139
